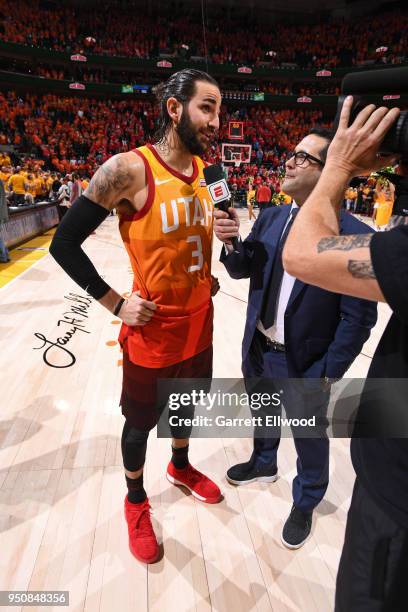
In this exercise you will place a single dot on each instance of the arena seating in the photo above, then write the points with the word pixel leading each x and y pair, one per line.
pixel 80 133
pixel 329 45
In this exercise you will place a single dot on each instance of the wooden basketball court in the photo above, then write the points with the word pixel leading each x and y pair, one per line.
pixel 62 486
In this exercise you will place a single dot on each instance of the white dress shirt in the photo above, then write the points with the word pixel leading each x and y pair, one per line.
pixel 277 331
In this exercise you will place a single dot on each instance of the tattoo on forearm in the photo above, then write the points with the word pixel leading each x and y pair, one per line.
pixel 109 181
pixel 344 243
pixel 361 269
pixel 397 220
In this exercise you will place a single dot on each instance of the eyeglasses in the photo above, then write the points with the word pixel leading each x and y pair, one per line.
pixel 302 156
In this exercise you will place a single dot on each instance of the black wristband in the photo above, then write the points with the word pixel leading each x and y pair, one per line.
pixel 118 306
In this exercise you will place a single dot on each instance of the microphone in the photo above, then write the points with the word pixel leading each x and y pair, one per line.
pixel 219 192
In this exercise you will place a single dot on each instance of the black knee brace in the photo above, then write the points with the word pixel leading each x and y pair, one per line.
pixel 134 443
pixel 182 431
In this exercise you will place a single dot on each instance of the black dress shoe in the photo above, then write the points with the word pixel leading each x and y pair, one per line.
pixel 297 528
pixel 245 473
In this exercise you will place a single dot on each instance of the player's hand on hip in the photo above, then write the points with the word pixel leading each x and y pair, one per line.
pixel 354 148
pixel 226 226
pixel 136 310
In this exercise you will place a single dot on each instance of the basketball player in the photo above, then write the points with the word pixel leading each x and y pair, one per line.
pixel 165 220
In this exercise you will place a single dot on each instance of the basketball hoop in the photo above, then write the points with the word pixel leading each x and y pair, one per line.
pixel 235 153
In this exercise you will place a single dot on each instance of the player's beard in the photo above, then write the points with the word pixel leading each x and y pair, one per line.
pixel 188 135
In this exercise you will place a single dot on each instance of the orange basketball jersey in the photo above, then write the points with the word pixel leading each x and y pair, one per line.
pixel 169 245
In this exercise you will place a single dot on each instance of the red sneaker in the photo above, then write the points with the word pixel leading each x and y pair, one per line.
pixel 142 540
pixel 200 486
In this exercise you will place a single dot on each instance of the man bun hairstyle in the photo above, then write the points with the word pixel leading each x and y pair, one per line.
pixel 182 86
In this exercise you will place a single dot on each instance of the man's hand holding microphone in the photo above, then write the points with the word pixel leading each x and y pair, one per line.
pixel 226 226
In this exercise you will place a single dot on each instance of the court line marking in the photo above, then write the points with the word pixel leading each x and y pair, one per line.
pixel 16 278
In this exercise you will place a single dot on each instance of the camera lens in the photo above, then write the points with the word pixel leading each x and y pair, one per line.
pixel 396 140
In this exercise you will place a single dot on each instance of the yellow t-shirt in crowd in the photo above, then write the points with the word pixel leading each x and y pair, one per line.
pixel 384 209
pixel 31 187
pixel 39 186
pixel 5 160
pixel 16 184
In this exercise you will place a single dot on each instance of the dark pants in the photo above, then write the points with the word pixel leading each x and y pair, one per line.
pixel 310 484
pixel 142 399
pixel 373 570
pixel 144 402
pixel 61 211
pixel 18 199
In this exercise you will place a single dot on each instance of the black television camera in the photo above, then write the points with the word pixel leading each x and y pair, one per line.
pixel 386 87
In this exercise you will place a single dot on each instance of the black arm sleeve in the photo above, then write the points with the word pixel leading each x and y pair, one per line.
pixel 78 223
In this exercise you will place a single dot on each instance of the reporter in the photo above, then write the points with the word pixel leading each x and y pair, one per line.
pixel 374 563
pixel 284 316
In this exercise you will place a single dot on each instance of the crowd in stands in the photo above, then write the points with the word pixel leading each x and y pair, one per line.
pixel 73 133
pixel 31 184
pixel 59 142
pixel 68 135
pixel 82 29
pixel 78 134
pixel 251 185
pixel 373 198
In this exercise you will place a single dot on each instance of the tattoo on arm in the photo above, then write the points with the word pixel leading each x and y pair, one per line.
pixel 397 220
pixel 361 269
pixel 344 243
pixel 109 182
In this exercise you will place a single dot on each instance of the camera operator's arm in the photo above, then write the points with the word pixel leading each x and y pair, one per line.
pixel 339 263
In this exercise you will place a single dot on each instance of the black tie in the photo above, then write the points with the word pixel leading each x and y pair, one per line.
pixel 275 281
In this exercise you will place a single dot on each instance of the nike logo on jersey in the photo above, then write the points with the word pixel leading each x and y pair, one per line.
pixel 162 182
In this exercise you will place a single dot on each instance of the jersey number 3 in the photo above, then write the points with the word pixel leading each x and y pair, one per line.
pixel 197 254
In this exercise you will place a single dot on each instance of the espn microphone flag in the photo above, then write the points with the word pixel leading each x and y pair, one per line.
pixel 219 192
pixel 217 185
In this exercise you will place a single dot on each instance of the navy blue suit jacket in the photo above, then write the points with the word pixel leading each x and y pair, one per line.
pixel 324 331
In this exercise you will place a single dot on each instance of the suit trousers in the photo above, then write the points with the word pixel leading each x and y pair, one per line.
pixel 311 481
